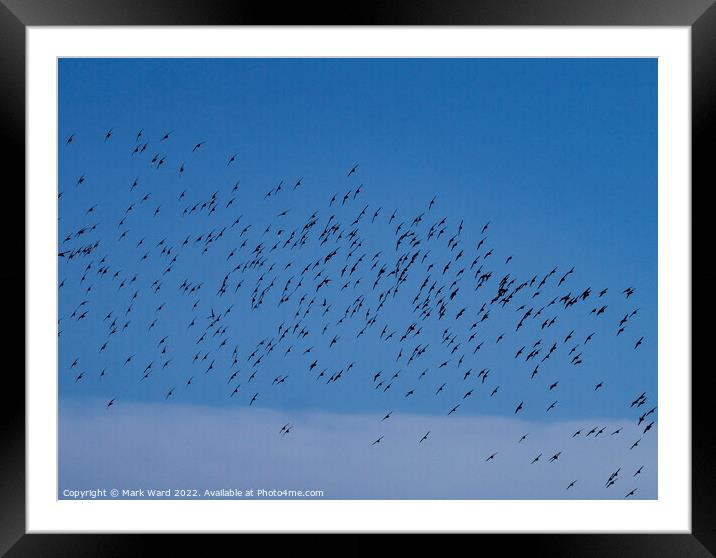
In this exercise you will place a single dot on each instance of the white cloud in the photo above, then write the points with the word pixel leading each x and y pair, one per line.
pixel 178 446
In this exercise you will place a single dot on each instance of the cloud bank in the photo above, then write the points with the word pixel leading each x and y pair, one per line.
pixel 144 446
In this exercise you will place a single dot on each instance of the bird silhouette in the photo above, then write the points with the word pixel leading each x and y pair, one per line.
pixel 196 267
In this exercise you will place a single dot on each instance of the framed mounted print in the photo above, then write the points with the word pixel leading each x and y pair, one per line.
pixel 367 278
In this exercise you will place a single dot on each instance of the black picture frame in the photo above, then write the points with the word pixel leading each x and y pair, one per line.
pixel 16 15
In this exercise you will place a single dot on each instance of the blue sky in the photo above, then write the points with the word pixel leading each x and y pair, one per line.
pixel 559 156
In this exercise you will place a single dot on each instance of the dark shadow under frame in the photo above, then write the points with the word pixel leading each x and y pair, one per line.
pixel 15 15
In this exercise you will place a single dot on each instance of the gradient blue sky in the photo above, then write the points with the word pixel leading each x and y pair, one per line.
pixel 559 155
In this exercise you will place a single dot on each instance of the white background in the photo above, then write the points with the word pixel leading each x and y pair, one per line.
pixel 670 513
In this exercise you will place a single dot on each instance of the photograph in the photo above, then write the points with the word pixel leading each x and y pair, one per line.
pixel 357 278
pixel 414 270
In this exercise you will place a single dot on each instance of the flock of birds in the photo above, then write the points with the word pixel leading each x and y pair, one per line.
pixel 333 289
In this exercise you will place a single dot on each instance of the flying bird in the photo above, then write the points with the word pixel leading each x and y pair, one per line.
pixel 331 295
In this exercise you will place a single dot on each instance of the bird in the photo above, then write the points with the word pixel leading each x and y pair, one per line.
pixel 335 295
